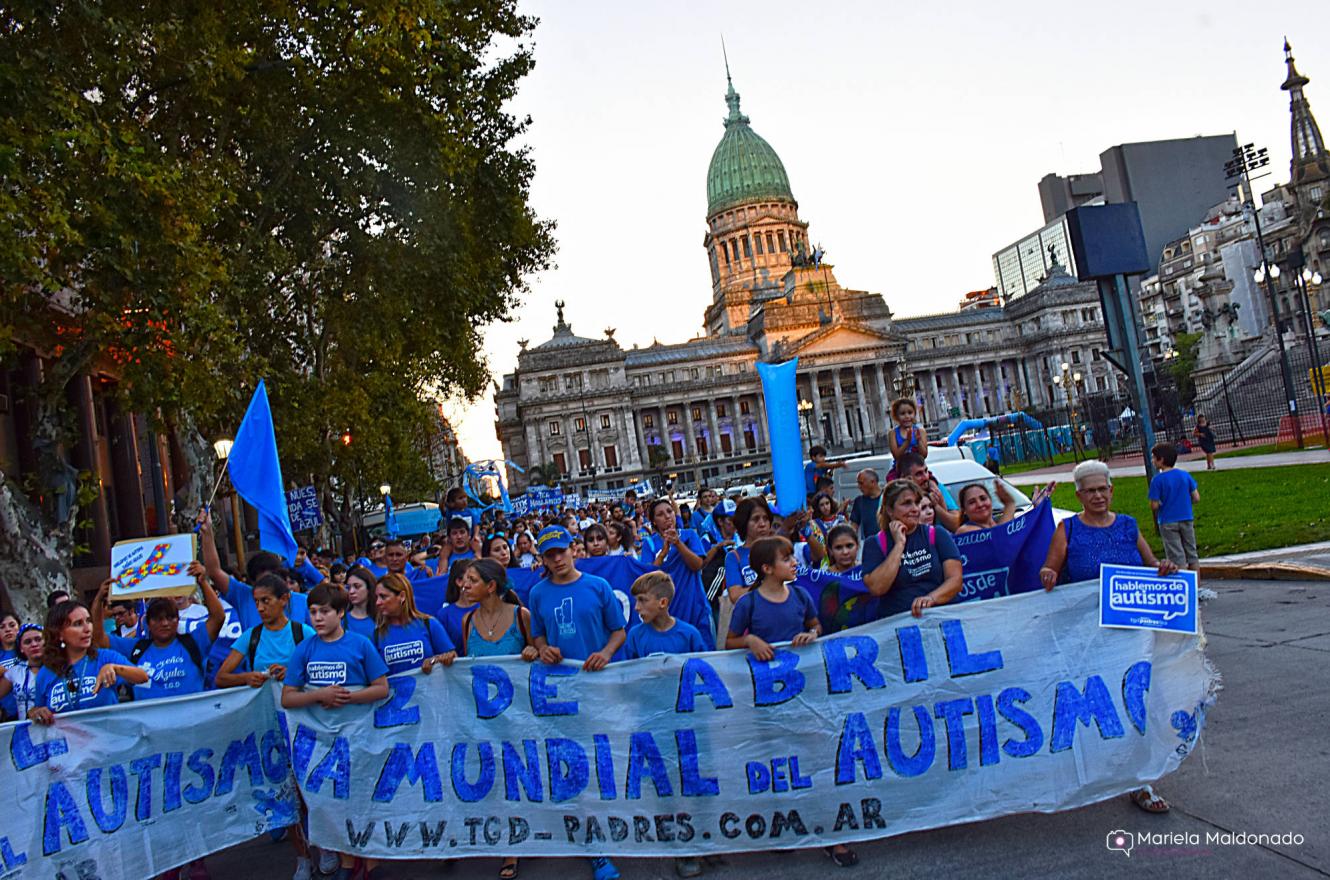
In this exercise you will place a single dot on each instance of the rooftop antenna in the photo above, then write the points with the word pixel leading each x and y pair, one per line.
pixel 726 56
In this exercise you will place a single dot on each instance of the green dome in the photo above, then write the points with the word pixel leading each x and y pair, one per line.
pixel 744 167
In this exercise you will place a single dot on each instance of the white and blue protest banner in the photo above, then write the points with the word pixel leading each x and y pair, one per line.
pixel 302 504
pixel 1133 596
pixel 1006 559
pixel 135 790
pixel 974 711
pixel 540 498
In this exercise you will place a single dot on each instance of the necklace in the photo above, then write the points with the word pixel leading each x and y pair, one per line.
pixel 489 625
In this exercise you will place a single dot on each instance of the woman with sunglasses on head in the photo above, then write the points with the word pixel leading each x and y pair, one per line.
pixel 75 674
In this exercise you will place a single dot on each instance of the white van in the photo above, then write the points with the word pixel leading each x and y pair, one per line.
pixel 846 478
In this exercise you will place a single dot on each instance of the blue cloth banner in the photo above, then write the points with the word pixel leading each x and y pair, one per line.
pixel 389 518
pixel 302 506
pixel 1000 561
pixel 1006 559
pixel 139 789
pixel 977 710
pixel 1138 597
pixel 256 473
pixel 787 457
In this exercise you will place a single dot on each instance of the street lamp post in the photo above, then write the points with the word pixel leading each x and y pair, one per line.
pixel 805 408
pixel 223 449
pixel 1247 159
pixel 1068 381
pixel 1301 280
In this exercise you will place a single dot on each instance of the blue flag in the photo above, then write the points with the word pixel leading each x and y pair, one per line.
pixel 256 473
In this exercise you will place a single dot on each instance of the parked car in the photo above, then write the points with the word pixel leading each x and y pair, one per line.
pixel 846 478
pixel 959 473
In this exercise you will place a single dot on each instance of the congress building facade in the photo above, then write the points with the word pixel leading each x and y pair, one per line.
pixel 599 416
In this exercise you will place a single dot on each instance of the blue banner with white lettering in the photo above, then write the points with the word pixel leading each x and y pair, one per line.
pixel 1006 559
pixel 1137 597
pixel 1000 561
pixel 139 789
pixel 977 710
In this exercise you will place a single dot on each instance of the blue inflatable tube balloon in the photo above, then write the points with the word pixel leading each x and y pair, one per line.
pixel 787 454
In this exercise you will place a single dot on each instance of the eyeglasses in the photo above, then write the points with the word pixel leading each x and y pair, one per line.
pixel 1096 490
pixel 377 546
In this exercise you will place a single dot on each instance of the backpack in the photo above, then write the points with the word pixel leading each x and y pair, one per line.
pixel 297 635
pixel 932 541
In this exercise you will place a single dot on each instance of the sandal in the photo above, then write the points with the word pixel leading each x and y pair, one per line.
pixel 1147 800
pixel 846 859
pixel 508 871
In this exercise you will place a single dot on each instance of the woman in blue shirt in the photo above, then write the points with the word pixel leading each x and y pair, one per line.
pixel 679 554
pixel 75 675
pixel 173 660
pixel 361 614
pixel 1098 535
pixel 912 566
pixel 406 637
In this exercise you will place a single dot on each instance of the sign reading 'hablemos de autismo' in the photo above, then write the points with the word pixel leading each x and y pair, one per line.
pixel 1135 597
pixel 896 726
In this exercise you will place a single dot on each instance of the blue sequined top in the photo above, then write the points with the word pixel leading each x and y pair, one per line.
pixel 1088 546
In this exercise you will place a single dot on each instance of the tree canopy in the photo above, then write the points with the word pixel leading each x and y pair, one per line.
pixel 328 195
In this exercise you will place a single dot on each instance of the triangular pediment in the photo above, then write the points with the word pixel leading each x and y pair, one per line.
pixel 839 337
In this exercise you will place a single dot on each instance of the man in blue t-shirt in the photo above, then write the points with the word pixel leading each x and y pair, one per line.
pixel 1173 491
pixel 863 510
pixel 573 615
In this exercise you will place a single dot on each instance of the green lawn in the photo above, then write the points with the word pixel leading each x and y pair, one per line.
pixel 1240 510
pixel 1265 449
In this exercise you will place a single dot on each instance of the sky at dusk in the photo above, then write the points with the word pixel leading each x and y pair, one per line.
pixel 913 134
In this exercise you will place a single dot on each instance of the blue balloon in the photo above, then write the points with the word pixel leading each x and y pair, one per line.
pixel 787 455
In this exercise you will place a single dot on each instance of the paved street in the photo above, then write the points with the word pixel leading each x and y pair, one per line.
pixel 1261 768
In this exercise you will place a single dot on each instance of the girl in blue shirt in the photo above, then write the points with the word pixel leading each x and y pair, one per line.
pixel 405 637
pixel 361 614
pixel 277 639
pixel 75 675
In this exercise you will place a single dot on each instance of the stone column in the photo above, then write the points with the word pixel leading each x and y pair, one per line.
pixel 574 460
pixel 865 417
pixel 760 425
pixel 815 435
pixel 842 418
pixel 736 428
pixel 691 451
pixel 713 439
pixel 979 390
pixel 884 400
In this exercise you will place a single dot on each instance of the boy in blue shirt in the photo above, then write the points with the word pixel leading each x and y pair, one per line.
pixel 1172 494
pixel 574 616
pixel 326 669
pixel 818 469
pixel 659 632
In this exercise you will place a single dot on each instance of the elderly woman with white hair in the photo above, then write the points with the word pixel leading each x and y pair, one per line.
pixel 1098 535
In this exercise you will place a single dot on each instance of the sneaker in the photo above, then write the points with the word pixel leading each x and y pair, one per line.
pixel 329 861
pixel 603 869
pixel 687 868
pixel 304 869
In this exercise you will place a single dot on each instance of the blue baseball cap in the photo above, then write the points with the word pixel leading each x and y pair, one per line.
pixel 553 538
pixel 726 507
